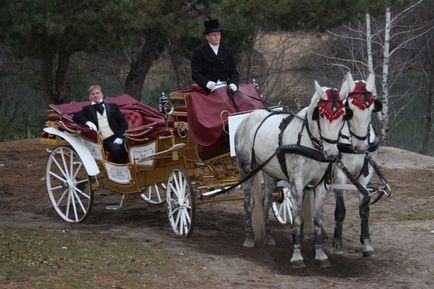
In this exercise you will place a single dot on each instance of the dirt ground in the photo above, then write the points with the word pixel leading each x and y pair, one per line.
pixel 401 230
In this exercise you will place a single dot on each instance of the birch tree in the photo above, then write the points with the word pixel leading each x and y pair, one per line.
pixel 381 43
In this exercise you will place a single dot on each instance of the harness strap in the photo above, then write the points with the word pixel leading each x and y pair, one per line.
pixel 315 142
pixel 311 154
pixel 353 180
pixel 348 149
pixel 281 156
pixel 274 112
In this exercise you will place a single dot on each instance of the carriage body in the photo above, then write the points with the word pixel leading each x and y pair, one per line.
pixel 166 161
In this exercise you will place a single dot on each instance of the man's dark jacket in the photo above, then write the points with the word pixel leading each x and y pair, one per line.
pixel 116 119
pixel 206 66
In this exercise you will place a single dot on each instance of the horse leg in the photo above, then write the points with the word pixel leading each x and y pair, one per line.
pixel 297 259
pixel 340 212
pixel 365 238
pixel 320 255
pixel 258 217
pixel 270 186
pixel 248 208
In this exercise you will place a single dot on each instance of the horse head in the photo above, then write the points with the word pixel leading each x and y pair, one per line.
pixel 327 110
pixel 359 106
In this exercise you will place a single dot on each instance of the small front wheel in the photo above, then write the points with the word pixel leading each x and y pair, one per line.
pixel 181 204
pixel 155 194
pixel 68 185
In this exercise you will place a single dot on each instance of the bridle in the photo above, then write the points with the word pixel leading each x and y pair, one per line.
pixel 363 99
pixel 331 108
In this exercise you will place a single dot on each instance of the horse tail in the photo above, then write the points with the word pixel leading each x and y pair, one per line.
pixel 258 214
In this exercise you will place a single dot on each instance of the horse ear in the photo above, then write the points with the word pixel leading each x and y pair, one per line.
pixel 319 93
pixel 347 85
pixel 370 84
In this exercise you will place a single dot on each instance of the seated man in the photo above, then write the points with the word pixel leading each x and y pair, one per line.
pixel 108 119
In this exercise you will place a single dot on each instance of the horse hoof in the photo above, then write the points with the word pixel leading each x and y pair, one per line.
pixel 367 253
pixel 324 263
pixel 248 243
pixel 339 252
pixel 298 264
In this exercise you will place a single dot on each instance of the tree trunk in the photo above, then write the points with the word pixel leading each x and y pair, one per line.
pixel 369 44
pixel 384 114
pixel 61 77
pixel 47 80
pixel 183 75
pixel 55 87
pixel 142 63
pixel 428 131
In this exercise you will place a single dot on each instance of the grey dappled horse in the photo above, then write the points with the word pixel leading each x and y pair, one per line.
pixel 360 104
pixel 258 136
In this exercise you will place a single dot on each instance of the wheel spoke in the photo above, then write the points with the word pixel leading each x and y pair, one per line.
pixel 56 187
pixel 175 179
pixel 187 215
pixel 174 190
pixel 79 201
pixel 62 196
pixel 64 164
pixel 177 218
pixel 58 166
pixel 74 206
pixel 58 177
pixel 77 170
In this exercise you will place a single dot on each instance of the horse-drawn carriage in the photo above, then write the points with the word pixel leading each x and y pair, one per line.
pixel 179 155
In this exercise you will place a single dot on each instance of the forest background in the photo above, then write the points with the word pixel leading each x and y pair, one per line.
pixel 51 51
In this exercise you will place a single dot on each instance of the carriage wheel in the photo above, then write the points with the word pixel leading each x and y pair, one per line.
pixel 180 202
pixel 155 194
pixel 68 185
pixel 283 210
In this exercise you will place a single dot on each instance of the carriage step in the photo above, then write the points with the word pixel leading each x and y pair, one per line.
pixel 112 207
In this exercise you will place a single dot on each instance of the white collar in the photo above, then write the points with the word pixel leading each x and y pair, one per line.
pixel 214 48
pixel 93 102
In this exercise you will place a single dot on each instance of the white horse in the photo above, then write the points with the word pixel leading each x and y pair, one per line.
pixel 314 131
pixel 360 105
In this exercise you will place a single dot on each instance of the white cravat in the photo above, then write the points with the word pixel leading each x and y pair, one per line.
pixel 214 48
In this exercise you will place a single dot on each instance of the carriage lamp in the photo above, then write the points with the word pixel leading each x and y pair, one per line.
pixel 162 102
pixel 164 106
pixel 255 83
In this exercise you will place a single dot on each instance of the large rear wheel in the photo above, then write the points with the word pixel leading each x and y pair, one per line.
pixel 181 204
pixel 68 185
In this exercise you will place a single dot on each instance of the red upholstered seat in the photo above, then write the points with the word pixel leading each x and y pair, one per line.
pixel 134 118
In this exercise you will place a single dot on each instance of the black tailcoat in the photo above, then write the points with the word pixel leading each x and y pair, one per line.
pixel 207 66
pixel 116 119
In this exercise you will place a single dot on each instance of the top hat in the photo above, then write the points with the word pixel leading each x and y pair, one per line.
pixel 211 26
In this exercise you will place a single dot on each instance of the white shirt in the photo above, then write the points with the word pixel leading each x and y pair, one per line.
pixel 214 48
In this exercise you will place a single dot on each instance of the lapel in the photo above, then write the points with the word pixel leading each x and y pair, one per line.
pixel 210 52
pixel 92 111
pixel 107 110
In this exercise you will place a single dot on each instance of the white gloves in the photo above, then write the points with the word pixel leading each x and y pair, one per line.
pixel 233 87
pixel 210 85
pixel 118 141
pixel 91 125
